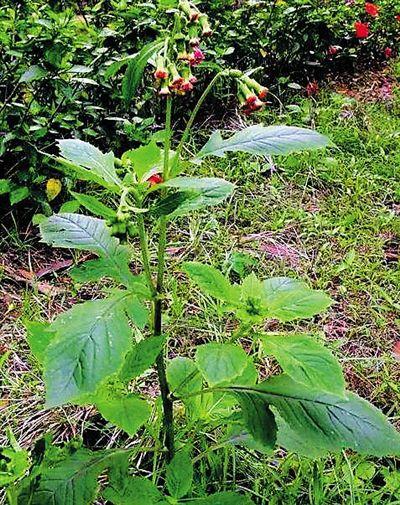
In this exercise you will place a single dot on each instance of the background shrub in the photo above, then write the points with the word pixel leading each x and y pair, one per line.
pixel 63 63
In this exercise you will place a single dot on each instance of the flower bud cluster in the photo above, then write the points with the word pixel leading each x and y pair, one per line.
pixel 174 71
pixel 251 94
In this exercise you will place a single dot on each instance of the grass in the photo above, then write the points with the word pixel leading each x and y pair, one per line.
pixel 329 217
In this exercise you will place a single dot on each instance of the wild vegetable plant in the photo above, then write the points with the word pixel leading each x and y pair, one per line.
pixel 97 352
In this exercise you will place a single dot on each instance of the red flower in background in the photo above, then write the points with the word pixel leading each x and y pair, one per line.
pixel 372 9
pixel 332 50
pixel 398 17
pixel 362 30
pixel 388 52
pixel 312 88
pixel 155 179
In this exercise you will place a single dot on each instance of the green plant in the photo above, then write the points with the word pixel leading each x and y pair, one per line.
pixel 88 354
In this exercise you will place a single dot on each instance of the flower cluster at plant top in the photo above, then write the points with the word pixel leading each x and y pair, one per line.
pixel 176 76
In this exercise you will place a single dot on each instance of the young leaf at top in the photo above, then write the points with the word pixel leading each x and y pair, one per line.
pixel 288 299
pixel 87 156
pixel 143 159
pixel 306 361
pixel 92 339
pixel 125 410
pixel 212 282
pixel 252 299
pixel 136 66
pixel 141 357
pixel 199 193
pixel 179 474
pixel 264 141
pixel 326 420
pixel 221 364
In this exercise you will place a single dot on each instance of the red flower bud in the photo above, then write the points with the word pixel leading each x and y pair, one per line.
pixel 177 79
pixel 388 52
pixel 160 74
pixel 186 86
pixel 155 179
pixel 397 17
pixel 196 57
pixel 332 50
pixel 372 9
pixel 312 88
pixel 362 30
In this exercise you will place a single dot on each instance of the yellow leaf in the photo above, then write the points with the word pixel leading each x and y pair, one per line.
pixel 53 188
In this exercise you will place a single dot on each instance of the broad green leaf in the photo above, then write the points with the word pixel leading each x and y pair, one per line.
pixel 13 465
pixel 77 231
pixel 136 311
pixel 143 158
pixel 179 474
pixel 4 186
pixel 306 361
pixel 221 364
pixel 166 206
pixel 212 282
pixel 134 491
pixel 94 270
pixel 204 191
pixel 94 205
pixel 293 441
pixel 70 207
pixel 77 172
pixel 69 481
pixel 141 357
pixel 326 420
pixel 92 339
pixel 125 410
pixel 116 66
pixel 136 66
pixel 19 194
pixel 87 156
pixel 34 73
pixel 183 376
pixel 39 336
pixel 264 141
pixel 224 498
pixel 287 299
pixel 249 375
pixel 258 419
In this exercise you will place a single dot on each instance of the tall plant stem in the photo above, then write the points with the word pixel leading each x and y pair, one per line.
pixel 168 420
pixel 193 115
